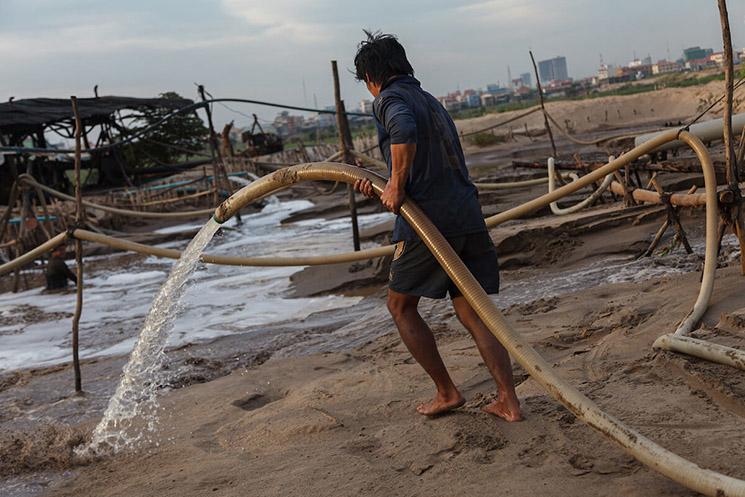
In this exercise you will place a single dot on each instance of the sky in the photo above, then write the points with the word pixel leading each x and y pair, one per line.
pixel 280 50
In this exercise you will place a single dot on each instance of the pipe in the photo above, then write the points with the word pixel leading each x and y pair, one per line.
pixel 634 443
pixel 678 341
pixel 650 197
pixel 702 349
pixel 707 131
pixel 712 238
pixel 113 210
pixel 141 248
pixel 510 184
pixel 33 254
pixel 559 211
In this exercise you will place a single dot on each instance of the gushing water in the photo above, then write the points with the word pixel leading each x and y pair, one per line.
pixel 132 412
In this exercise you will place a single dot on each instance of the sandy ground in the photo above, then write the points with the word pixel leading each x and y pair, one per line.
pixel 326 406
pixel 668 104
pixel 344 423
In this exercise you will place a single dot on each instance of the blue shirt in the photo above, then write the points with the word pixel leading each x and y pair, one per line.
pixel 438 180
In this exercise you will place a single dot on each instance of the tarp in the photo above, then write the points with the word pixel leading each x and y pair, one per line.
pixel 30 114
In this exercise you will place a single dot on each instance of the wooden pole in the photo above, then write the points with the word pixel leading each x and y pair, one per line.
pixel 345 145
pixel 729 143
pixel 79 217
pixel 730 156
pixel 218 168
pixel 543 107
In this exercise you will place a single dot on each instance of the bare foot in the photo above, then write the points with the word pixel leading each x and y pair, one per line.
pixel 440 405
pixel 509 411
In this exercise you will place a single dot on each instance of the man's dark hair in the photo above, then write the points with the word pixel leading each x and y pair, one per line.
pixel 381 57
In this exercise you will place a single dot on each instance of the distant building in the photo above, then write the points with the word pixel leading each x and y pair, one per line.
pixel 451 102
pixel 665 67
pixel 717 58
pixel 606 71
pixel 635 63
pixel 527 79
pixel 327 120
pixel 553 69
pixel 286 124
pixel 473 100
pixel 494 89
pixel 557 88
pixel 696 53
pixel 487 100
pixel 523 93
pixel 701 64
pixel 366 106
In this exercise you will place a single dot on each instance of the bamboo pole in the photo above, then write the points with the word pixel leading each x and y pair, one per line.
pixel 543 107
pixel 79 217
pixel 345 145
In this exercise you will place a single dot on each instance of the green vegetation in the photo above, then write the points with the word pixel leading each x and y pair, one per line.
pixel 485 139
pixel 173 141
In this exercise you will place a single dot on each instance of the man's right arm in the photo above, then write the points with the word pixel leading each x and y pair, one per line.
pixel 400 124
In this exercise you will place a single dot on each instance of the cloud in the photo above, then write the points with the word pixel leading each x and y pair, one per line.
pixel 516 14
pixel 283 18
pixel 102 35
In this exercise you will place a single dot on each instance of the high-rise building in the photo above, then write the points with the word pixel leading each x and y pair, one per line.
pixel 553 69
pixel 526 79
pixel 696 53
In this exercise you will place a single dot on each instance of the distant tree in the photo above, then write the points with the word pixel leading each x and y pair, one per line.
pixel 175 140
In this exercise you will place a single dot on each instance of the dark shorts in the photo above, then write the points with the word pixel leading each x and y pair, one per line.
pixel 415 271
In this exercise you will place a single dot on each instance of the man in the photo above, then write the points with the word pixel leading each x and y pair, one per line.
pixel 57 272
pixel 420 144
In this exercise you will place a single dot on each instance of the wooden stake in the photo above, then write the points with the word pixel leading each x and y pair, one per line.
pixel 79 217
pixel 672 216
pixel 543 107
pixel 345 144
pixel 657 238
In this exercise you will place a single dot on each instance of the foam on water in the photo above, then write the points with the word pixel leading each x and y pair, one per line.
pixel 132 411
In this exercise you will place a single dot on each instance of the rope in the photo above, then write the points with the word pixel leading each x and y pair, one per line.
pixel 589 142
pixel 513 119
